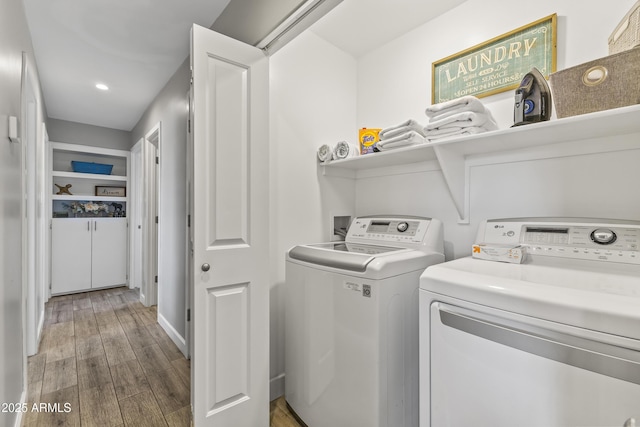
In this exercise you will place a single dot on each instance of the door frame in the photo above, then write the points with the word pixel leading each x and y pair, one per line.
pixel 135 218
pixel 33 218
pixel 188 291
pixel 151 241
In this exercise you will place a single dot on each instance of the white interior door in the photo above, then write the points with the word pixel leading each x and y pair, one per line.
pixel 230 363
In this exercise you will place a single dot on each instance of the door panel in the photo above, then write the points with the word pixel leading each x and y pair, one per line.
pixel 70 255
pixel 109 252
pixel 229 312
pixel 230 372
pixel 228 152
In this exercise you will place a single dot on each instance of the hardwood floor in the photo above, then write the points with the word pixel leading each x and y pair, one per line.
pixel 104 361
pixel 280 415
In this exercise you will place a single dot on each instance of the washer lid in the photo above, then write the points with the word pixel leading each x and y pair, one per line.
pixel 341 255
pixel 589 294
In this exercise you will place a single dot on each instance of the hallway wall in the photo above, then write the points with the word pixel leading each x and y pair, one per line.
pixel 14 39
pixel 83 134
pixel 169 109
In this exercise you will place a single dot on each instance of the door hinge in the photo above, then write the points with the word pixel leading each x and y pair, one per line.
pixel 188 315
pixel 156 279
pixel 157 160
pixel 191 80
pixel 156 219
pixel 189 126
pixel 188 220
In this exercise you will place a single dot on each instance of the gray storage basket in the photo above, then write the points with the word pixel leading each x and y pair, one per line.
pixel 627 34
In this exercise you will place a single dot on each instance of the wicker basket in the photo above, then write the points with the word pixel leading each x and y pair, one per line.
pixel 603 84
pixel 627 33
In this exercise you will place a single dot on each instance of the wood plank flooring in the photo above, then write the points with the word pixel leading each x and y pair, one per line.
pixel 280 416
pixel 105 361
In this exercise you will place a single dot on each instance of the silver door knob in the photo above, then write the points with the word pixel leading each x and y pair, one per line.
pixel 206 267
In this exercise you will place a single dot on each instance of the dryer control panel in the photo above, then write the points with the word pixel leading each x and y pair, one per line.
pixel 590 239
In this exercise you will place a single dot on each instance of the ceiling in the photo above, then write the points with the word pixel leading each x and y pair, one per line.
pixel 134 47
pixel 360 26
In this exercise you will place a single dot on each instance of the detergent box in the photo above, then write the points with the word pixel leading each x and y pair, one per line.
pixel 504 253
pixel 368 139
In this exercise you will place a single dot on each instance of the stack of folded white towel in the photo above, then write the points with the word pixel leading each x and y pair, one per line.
pixel 462 116
pixel 406 133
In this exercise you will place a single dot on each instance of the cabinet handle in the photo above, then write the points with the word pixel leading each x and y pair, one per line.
pixel 88 225
pixel 95 225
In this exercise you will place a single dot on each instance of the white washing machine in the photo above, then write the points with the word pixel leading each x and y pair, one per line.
pixel 351 334
pixel 554 341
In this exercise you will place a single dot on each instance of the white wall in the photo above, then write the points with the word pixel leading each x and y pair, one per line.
pixel 169 109
pixel 312 102
pixel 14 39
pixel 84 134
pixel 399 87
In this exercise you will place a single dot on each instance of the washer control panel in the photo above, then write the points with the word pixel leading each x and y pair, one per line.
pixel 401 229
pixel 602 240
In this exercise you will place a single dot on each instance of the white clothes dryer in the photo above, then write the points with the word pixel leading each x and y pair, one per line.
pixel 351 333
pixel 554 341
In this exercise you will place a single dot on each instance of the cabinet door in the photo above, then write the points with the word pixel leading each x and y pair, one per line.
pixel 70 254
pixel 109 252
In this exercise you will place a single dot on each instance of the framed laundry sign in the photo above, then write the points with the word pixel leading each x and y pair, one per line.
pixel 496 65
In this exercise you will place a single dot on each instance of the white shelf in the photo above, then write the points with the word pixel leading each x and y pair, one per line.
pixel 452 155
pixel 79 197
pixel 400 156
pixel 92 176
pixel 83 184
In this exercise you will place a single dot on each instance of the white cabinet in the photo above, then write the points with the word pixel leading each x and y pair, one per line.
pixel 89 234
pixel 88 253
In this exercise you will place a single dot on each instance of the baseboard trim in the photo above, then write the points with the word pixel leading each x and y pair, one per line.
pixel 39 331
pixel 173 334
pixel 276 387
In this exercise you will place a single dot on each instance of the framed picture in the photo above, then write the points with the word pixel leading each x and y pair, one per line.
pixel 107 191
pixel 496 65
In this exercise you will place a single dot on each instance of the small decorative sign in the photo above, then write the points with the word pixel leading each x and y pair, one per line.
pixel 496 65
pixel 111 191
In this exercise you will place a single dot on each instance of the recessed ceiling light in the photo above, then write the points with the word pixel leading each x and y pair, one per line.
pixel 102 86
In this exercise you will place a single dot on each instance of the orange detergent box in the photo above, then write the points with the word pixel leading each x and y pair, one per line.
pixel 368 139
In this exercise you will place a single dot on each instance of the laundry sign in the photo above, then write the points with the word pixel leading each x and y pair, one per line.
pixel 496 65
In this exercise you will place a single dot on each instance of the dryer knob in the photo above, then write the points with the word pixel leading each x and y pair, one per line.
pixel 603 236
pixel 402 227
